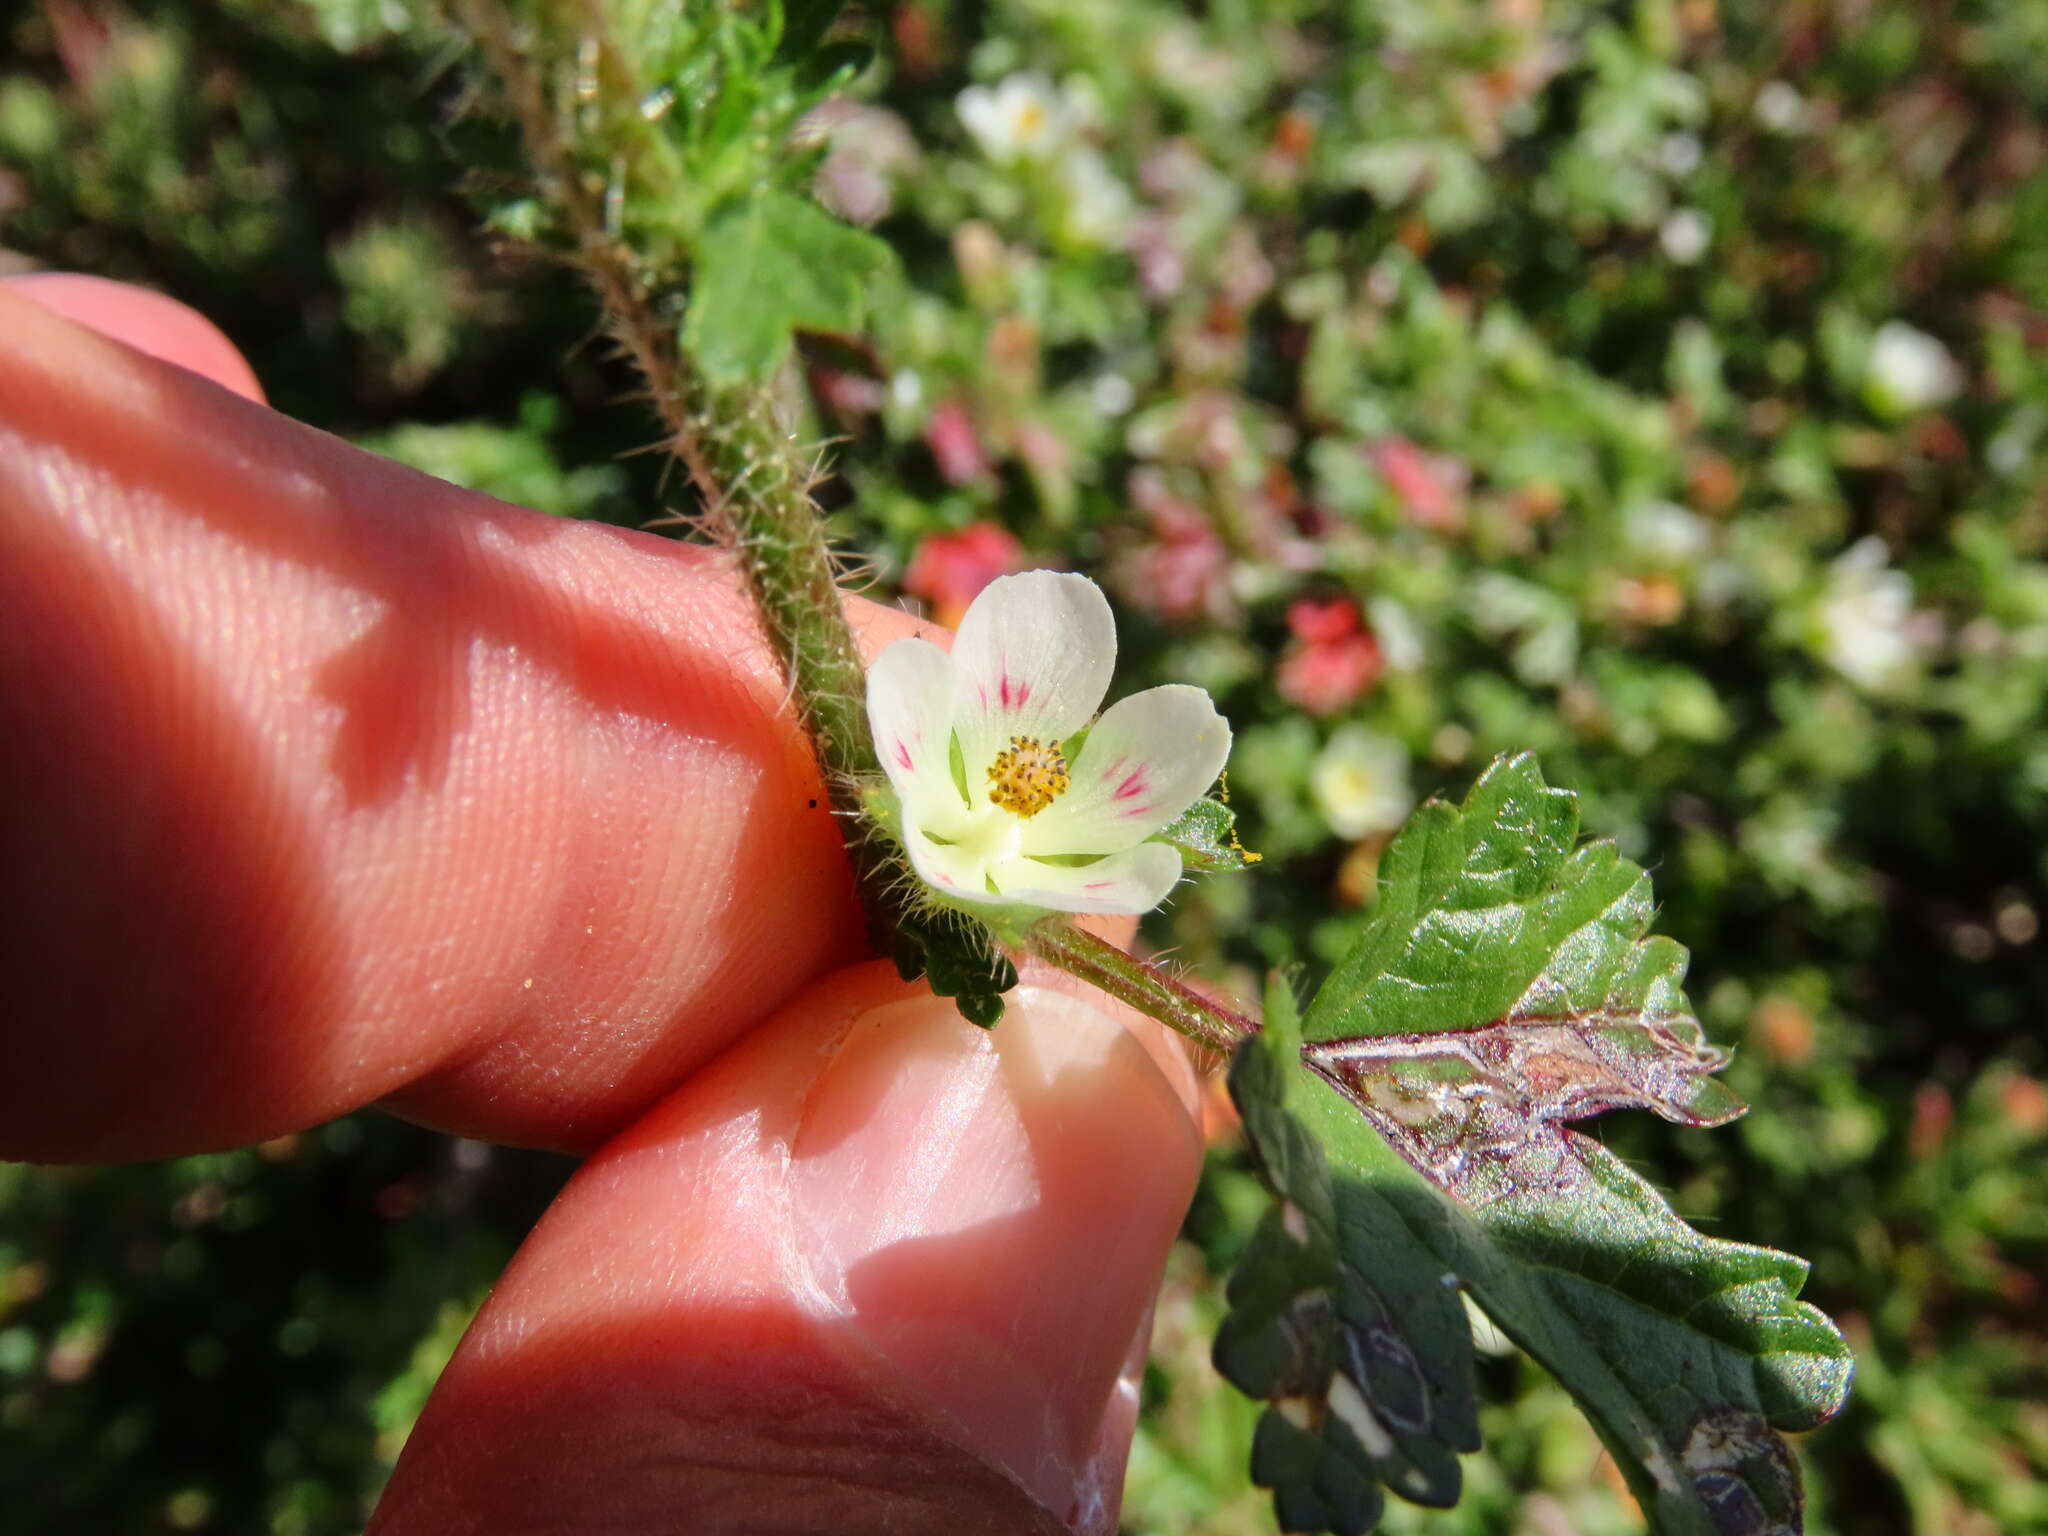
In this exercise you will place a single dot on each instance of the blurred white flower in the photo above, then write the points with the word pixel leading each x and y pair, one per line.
pixel 1098 206
pixel 1685 235
pixel 906 390
pixel 1862 616
pixel 1023 117
pixel 997 803
pixel 1399 636
pixel 1680 153
pixel 1360 782
pixel 1909 371
pixel 1779 106
pixel 1112 394
pixel 1666 532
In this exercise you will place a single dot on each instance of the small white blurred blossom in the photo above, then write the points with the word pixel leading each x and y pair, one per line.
pixel 1399 636
pixel 1862 616
pixel 1098 206
pixel 1680 153
pixel 1779 106
pixel 906 390
pixel 1909 371
pixel 1112 394
pixel 1360 782
pixel 1666 532
pixel 1021 118
pixel 1685 235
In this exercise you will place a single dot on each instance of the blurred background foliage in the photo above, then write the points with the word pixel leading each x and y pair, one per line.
pixel 1659 384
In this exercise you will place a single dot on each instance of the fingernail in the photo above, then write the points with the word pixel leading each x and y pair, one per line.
pixel 990 1210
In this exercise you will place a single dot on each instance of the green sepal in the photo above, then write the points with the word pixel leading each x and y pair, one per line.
pixel 956 959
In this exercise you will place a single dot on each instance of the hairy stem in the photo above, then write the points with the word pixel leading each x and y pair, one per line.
pixel 1059 942
pixel 745 464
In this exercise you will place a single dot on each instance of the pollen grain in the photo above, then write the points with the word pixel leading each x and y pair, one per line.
pixel 1027 776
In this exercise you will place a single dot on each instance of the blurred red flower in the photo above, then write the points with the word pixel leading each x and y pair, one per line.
pixel 1429 486
pixel 949 570
pixel 1334 661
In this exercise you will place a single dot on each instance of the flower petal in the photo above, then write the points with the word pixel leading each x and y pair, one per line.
pixel 910 710
pixel 1147 760
pixel 1033 658
pixel 947 868
pixel 1136 880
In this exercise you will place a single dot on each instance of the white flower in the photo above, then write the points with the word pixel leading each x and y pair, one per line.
pixel 1400 637
pixel 1862 616
pixel 1685 235
pixel 1360 782
pixel 1112 394
pixel 1098 206
pixel 1909 371
pixel 1666 532
pixel 998 802
pixel 1022 118
pixel 1779 106
pixel 1680 153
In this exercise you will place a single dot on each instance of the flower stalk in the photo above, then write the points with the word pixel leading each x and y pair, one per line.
pixel 1059 941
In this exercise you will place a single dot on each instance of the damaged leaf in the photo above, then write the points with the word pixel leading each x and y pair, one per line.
pixel 1414 1131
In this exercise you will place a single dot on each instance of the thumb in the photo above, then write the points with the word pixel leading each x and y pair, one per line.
pixel 873 1269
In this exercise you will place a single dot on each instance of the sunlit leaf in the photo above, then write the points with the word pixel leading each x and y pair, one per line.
pixel 1413 1129
pixel 774 265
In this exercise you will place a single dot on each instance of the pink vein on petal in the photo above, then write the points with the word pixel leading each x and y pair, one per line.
pixel 1133 785
pixel 903 757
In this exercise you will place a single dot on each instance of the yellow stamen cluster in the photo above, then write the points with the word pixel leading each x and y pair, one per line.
pixel 1027 777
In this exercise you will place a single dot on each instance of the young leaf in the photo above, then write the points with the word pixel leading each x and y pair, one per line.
pixel 1206 835
pixel 1503 989
pixel 773 265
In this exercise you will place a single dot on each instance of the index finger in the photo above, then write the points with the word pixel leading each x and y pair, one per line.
pixel 324 782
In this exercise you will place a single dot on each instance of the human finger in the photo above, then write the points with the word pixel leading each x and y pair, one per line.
pixel 145 320
pixel 322 781
pixel 871 1270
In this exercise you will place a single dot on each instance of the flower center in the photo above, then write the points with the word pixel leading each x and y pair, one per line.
pixel 1027 776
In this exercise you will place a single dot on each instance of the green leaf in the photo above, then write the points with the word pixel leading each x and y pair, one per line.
pixel 1414 1131
pixel 771 266
pixel 1367 1363
pixel 1206 835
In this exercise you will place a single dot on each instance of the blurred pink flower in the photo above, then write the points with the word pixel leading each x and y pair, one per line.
pixel 1183 572
pixel 1429 486
pixel 849 394
pixel 1334 661
pixel 949 570
pixel 955 444
pixel 1162 269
